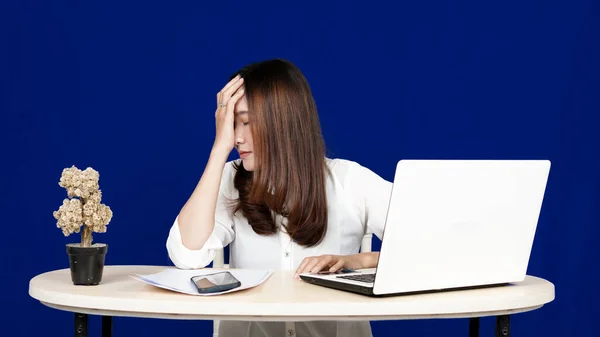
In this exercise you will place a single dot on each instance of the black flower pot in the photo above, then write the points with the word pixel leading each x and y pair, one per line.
pixel 87 263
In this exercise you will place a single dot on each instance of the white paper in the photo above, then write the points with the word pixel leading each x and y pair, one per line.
pixel 179 279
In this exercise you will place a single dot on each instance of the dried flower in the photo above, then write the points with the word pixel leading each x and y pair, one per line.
pixel 95 214
pixel 85 207
pixel 69 216
pixel 79 183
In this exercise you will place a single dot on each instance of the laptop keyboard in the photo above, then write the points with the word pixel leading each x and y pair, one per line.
pixel 367 278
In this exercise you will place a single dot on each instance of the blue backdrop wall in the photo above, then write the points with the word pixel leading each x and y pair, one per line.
pixel 128 88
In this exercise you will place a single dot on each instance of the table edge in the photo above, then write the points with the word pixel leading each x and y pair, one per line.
pixel 544 294
pixel 285 318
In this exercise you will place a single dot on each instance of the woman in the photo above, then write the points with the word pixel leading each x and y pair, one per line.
pixel 283 204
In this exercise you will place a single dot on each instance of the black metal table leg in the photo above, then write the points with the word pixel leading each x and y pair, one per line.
pixel 474 327
pixel 81 325
pixel 107 326
pixel 502 326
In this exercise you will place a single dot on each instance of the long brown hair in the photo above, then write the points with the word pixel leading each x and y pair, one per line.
pixel 289 153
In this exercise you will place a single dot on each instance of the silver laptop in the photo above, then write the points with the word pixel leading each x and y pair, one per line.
pixel 453 224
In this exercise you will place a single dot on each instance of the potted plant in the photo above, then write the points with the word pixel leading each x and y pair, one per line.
pixel 83 212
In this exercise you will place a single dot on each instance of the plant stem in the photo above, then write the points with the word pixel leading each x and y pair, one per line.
pixel 86 233
pixel 86 236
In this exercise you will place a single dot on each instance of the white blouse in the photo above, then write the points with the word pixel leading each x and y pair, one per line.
pixel 357 199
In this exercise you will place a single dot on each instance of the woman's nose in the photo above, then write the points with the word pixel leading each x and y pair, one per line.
pixel 239 139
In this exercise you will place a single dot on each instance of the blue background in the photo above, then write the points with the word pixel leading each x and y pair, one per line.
pixel 128 88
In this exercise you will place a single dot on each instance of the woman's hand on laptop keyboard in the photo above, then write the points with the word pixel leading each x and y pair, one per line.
pixel 334 263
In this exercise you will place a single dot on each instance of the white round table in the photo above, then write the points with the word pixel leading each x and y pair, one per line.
pixel 279 298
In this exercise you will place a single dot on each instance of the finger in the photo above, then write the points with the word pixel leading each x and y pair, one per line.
pixel 229 91
pixel 323 263
pixel 219 99
pixel 234 99
pixel 338 265
pixel 311 266
pixel 310 262
pixel 230 107
pixel 302 265
pixel 230 83
pixel 227 86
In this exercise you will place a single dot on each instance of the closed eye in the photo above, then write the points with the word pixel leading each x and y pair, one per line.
pixel 243 123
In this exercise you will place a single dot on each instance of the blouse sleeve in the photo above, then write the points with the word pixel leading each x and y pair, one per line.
pixel 371 196
pixel 222 234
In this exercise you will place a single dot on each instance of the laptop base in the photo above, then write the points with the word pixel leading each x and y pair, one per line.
pixel 368 291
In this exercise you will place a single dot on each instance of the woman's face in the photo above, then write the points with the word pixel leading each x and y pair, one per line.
pixel 243 137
